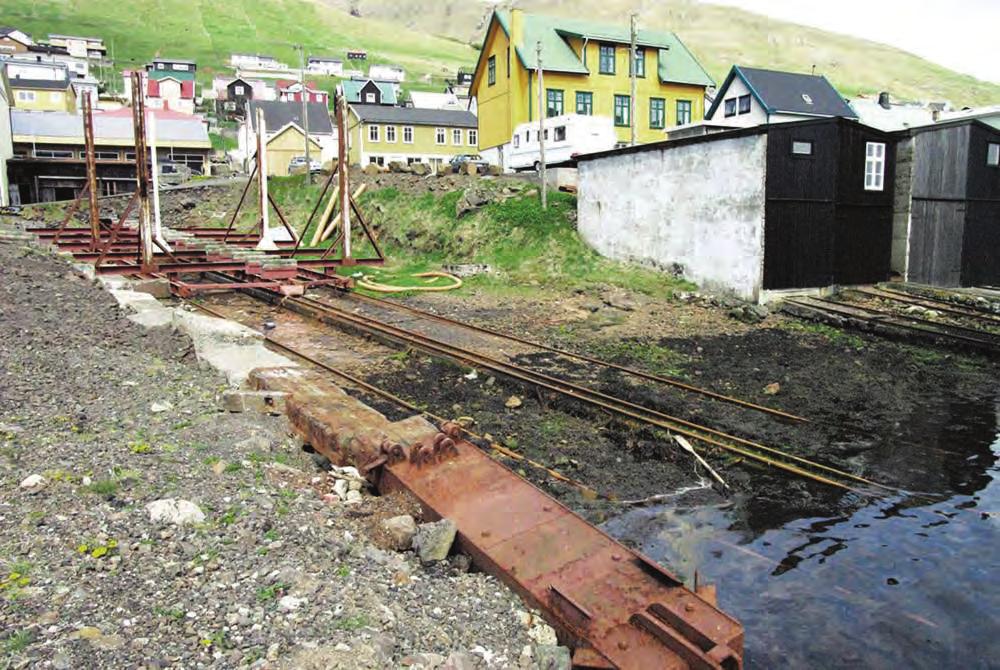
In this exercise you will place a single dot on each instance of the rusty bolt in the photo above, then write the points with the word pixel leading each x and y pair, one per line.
pixel 616 557
pixel 623 645
pixel 451 429
pixel 426 454
pixel 448 446
pixel 689 607
pixel 486 533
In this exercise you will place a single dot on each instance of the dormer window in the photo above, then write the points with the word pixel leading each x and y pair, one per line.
pixel 807 98
pixel 745 104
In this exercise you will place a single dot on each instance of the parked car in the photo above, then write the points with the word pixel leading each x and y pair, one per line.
pixel 566 136
pixel 299 162
pixel 459 162
pixel 173 173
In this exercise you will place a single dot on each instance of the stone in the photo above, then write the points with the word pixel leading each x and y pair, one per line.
pixel 552 657
pixel 264 402
pixel 160 407
pixel 340 487
pixel 371 169
pixel 543 634
pixel 290 603
pixel 513 402
pixel 401 530
pixel 772 389
pixel 353 498
pixel 33 483
pixel 174 511
pixel 433 541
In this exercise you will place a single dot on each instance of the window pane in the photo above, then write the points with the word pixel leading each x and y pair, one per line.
pixel 993 155
pixel 744 104
pixel 802 148
pixel 731 107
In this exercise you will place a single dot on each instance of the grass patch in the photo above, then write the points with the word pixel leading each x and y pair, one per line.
pixel 268 593
pixel 222 142
pixel 643 354
pixel 831 334
pixel 351 622
pixel 103 487
pixel 17 642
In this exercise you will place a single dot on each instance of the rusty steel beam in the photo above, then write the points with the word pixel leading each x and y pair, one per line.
pixel 91 161
pixel 616 607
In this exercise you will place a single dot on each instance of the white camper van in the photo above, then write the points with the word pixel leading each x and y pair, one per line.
pixel 566 136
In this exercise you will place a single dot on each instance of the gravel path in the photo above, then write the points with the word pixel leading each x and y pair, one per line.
pixel 103 418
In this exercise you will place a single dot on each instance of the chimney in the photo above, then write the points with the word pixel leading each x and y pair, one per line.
pixel 883 100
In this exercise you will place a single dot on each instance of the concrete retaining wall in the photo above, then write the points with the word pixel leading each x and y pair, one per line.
pixel 696 208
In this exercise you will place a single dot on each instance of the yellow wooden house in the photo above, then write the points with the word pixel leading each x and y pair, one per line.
pixel 586 68
pixel 43 95
pixel 383 134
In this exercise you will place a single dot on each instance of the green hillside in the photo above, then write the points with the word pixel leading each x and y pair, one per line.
pixel 207 31
pixel 432 37
pixel 719 36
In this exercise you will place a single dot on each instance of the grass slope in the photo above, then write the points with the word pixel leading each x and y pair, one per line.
pixel 529 249
pixel 720 36
pixel 209 30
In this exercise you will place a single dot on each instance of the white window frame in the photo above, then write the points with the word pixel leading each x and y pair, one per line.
pixel 875 166
pixel 25 96
pixel 238 90
pixel 407 132
pixel 370 99
pixel 473 137
pixel 993 154
pixel 374 133
pixel 440 136
pixel 456 136
pixel 181 67
pixel 390 134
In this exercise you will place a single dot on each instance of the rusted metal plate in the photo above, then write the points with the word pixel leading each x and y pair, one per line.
pixel 618 608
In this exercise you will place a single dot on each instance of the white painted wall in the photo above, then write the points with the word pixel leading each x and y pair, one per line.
pixel 757 114
pixel 699 206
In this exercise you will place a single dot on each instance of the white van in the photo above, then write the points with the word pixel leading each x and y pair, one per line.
pixel 566 136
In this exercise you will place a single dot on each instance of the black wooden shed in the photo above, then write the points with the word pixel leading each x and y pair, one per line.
pixel 829 209
pixel 947 224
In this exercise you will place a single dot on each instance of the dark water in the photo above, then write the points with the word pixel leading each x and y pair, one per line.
pixel 910 581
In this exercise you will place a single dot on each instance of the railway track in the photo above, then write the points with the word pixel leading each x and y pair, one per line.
pixel 887 322
pixel 640 374
pixel 625 410
pixel 949 308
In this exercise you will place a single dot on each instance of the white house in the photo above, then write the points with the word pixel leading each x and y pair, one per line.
pixel 24 68
pixel 884 114
pixel 392 73
pixel 751 97
pixel 79 47
pixel 6 140
pixel 256 62
pixel 427 100
pixel 329 67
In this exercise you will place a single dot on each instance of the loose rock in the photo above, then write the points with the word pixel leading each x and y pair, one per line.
pixel 172 511
pixel 433 541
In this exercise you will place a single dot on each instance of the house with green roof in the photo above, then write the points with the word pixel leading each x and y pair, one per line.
pixel 369 92
pixel 586 69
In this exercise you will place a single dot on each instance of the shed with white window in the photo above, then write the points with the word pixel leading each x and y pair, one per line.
pixel 791 206
pixel 946 230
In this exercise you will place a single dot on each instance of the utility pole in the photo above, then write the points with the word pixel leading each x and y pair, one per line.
pixel 91 156
pixel 266 242
pixel 541 127
pixel 305 107
pixel 632 53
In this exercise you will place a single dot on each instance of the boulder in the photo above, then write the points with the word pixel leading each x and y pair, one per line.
pixel 433 541
pixel 33 483
pixel 400 530
pixel 174 511
pixel 420 169
pixel 552 657
pixel 398 167
pixel 472 199
pixel 470 169
pixel 371 169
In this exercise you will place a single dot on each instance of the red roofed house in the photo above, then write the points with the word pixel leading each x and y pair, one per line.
pixel 168 84
pixel 290 90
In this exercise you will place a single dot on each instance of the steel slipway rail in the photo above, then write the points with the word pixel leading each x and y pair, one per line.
pixel 614 606
pixel 748 449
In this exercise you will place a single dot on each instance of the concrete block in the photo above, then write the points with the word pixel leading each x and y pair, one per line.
pixel 153 318
pixel 134 301
pixel 265 402
pixel 236 361
pixel 158 288
pixel 200 327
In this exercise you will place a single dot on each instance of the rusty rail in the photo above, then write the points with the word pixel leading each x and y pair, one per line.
pixel 748 449
pixel 583 357
pixel 615 606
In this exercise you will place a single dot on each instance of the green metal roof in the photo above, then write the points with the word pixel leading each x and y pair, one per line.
pixel 352 90
pixel 677 64
pixel 164 74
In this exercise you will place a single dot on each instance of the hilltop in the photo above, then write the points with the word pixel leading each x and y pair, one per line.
pixel 442 36
pixel 209 30
pixel 719 36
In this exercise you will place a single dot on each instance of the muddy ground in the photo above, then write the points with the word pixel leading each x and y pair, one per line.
pixel 858 392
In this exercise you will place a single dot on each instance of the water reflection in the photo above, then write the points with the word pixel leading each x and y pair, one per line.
pixel 909 581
